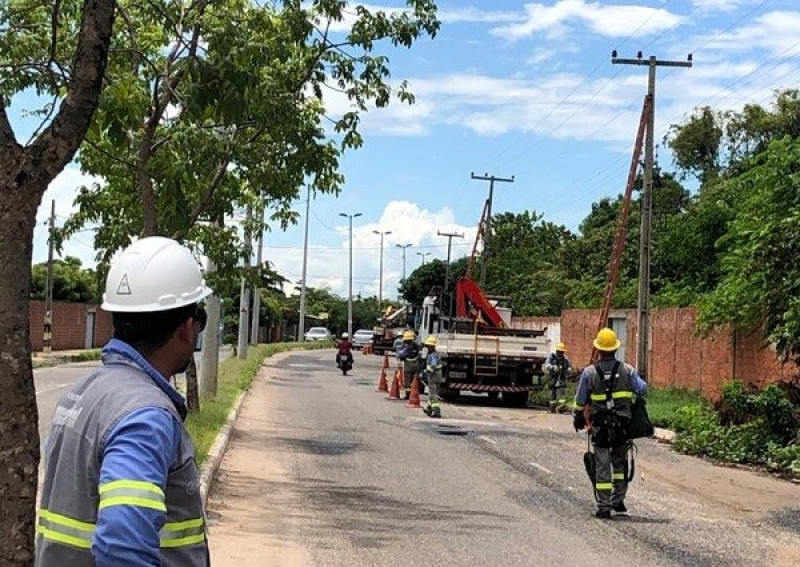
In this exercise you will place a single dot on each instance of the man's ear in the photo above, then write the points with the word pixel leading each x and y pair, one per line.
pixel 186 330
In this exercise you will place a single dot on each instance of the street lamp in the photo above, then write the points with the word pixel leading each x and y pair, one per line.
pixel 350 288
pixel 424 255
pixel 380 280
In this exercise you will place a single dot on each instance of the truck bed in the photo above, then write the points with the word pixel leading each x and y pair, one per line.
pixel 492 346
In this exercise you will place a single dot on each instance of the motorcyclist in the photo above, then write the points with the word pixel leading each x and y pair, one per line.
pixel 345 349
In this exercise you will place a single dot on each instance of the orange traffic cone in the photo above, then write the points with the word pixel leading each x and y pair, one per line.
pixel 382 385
pixel 385 360
pixel 394 394
pixel 413 400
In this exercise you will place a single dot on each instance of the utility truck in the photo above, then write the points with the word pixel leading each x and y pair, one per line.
pixel 389 326
pixel 480 351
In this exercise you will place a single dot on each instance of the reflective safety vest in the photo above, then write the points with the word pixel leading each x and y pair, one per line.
pixel 621 388
pixel 71 496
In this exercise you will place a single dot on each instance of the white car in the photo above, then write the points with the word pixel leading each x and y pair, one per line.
pixel 318 334
pixel 362 338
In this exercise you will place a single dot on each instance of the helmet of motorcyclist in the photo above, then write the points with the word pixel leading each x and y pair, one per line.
pixel 606 340
pixel 431 340
pixel 153 274
pixel 561 347
pixel 409 336
pixel 345 335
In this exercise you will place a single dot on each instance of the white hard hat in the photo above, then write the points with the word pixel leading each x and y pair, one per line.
pixel 153 274
pixel 345 335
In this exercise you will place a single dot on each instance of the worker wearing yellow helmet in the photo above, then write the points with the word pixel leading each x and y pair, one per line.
pixel 408 355
pixel 558 369
pixel 603 404
pixel 433 377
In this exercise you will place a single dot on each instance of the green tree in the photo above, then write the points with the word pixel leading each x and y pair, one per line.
pixel 526 262
pixel 71 282
pixel 760 275
pixel 33 36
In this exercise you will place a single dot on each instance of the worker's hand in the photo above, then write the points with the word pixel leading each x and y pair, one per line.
pixel 578 420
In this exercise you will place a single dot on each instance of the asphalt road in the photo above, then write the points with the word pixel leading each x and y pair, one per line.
pixel 322 470
pixel 51 383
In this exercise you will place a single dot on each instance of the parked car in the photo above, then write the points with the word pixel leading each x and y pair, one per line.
pixel 318 334
pixel 362 338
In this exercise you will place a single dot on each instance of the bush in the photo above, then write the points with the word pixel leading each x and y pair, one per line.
pixel 751 427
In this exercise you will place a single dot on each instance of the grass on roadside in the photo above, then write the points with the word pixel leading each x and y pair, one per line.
pixel 663 403
pixel 235 376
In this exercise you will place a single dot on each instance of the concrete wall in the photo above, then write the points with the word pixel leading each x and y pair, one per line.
pixel 69 325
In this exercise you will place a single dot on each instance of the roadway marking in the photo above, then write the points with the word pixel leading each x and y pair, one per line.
pixel 488 440
pixel 541 468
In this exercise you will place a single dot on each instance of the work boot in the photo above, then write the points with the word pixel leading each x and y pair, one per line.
pixel 552 409
pixel 427 410
pixel 407 394
pixel 603 514
pixel 436 412
pixel 620 509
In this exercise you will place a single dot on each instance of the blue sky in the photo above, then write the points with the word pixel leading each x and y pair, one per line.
pixel 523 89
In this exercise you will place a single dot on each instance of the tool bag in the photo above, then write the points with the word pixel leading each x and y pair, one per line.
pixel 640 425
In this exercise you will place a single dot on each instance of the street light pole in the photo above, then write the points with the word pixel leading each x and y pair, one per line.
pixel 424 255
pixel 350 218
pixel 380 277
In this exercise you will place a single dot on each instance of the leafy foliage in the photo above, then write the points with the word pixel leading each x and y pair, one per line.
pixel 751 427
pixel 71 282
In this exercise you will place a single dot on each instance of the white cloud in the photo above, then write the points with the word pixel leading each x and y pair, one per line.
pixel 720 5
pixel 610 20
pixel 774 31
pixel 408 223
pixel 63 190
pixel 540 55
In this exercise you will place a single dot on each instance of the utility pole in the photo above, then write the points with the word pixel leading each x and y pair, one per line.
pixel 380 278
pixel 485 255
pixel 47 343
pixel 255 317
pixel 424 255
pixel 244 292
pixel 301 325
pixel 404 247
pixel 350 218
pixel 645 226
pixel 450 236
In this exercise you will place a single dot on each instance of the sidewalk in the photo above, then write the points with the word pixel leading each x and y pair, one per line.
pixel 58 357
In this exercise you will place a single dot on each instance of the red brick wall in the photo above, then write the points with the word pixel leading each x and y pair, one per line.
pixel 680 358
pixel 69 325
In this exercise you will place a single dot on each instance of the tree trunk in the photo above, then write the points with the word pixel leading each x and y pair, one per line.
pixel 19 419
pixel 25 174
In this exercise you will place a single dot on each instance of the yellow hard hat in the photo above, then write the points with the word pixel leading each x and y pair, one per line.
pixel 409 336
pixel 431 340
pixel 561 347
pixel 606 340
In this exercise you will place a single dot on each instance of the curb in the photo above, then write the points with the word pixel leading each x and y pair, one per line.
pixel 217 451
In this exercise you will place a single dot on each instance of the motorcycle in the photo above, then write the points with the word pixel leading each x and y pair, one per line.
pixel 343 363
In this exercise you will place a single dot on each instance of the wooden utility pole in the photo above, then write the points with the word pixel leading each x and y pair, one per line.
pixel 255 314
pixel 244 291
pixel 643 302
pixel 47 342
pixel 485 255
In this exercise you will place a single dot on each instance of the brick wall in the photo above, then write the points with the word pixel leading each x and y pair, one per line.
pixel 69 325
pixel 677 356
